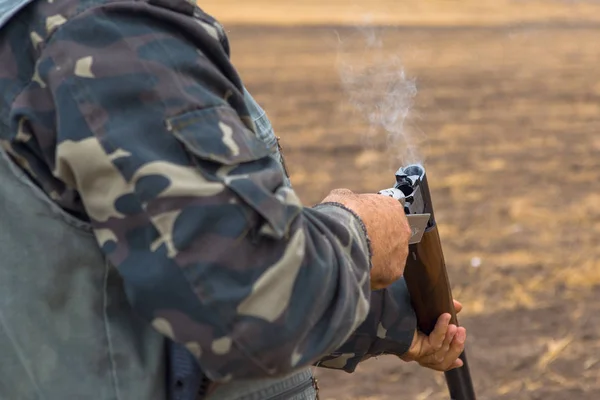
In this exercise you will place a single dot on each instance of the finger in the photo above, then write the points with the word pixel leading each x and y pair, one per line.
pixel 456 364
pixel 436 338
pixel 452 329
pixel 457 306
pixel 456 348
pixel 437 366
pixel 440 355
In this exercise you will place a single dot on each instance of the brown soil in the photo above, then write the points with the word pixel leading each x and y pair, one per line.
pixel 507 120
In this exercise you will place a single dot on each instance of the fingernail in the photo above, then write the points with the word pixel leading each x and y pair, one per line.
pixel 461 336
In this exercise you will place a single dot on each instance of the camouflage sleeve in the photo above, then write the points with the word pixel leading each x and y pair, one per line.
pixel 215 251
pixel 390 325
pixel 388 329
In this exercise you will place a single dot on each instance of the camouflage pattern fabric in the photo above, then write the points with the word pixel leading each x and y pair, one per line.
pixel 130 115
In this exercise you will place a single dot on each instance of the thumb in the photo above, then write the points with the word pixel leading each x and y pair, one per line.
pixel 457 306
pixel 414 350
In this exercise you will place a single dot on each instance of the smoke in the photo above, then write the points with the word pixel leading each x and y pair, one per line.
pixel 378 87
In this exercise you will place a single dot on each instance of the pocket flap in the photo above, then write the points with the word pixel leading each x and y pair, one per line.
pixel 217 134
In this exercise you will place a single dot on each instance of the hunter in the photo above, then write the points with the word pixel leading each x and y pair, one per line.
pixel 151 244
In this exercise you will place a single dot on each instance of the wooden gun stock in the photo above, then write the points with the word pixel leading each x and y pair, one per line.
pixel 427 281
pixel 429 287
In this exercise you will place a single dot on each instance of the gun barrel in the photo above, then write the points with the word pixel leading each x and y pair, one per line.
pixel 459 381
pixel 429 287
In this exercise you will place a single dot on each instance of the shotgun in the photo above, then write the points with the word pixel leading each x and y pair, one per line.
pixel 425 273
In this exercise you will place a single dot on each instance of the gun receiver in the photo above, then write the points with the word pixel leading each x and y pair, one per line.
pixel 425 273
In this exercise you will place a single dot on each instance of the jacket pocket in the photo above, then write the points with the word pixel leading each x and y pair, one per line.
pixel 217 134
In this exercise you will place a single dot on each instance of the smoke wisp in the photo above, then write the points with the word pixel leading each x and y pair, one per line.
pixel 374 79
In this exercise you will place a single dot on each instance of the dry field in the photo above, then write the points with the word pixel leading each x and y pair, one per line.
pixel 507 122
pixel 405 12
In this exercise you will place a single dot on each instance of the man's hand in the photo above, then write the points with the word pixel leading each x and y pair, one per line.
pixel 441 349
pixel 387 228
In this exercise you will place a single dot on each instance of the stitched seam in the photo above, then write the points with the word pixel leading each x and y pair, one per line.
pixel 113 367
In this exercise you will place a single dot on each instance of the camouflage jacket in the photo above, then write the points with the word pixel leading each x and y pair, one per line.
pixel 130 115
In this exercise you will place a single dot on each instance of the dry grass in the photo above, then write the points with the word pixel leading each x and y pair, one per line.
pixel 404 12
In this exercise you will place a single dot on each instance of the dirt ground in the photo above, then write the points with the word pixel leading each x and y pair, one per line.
pixel 506 119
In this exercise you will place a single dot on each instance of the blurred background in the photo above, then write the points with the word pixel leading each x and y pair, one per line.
pixel 500 99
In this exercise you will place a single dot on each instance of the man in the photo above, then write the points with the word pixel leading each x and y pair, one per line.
pixel 143 202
